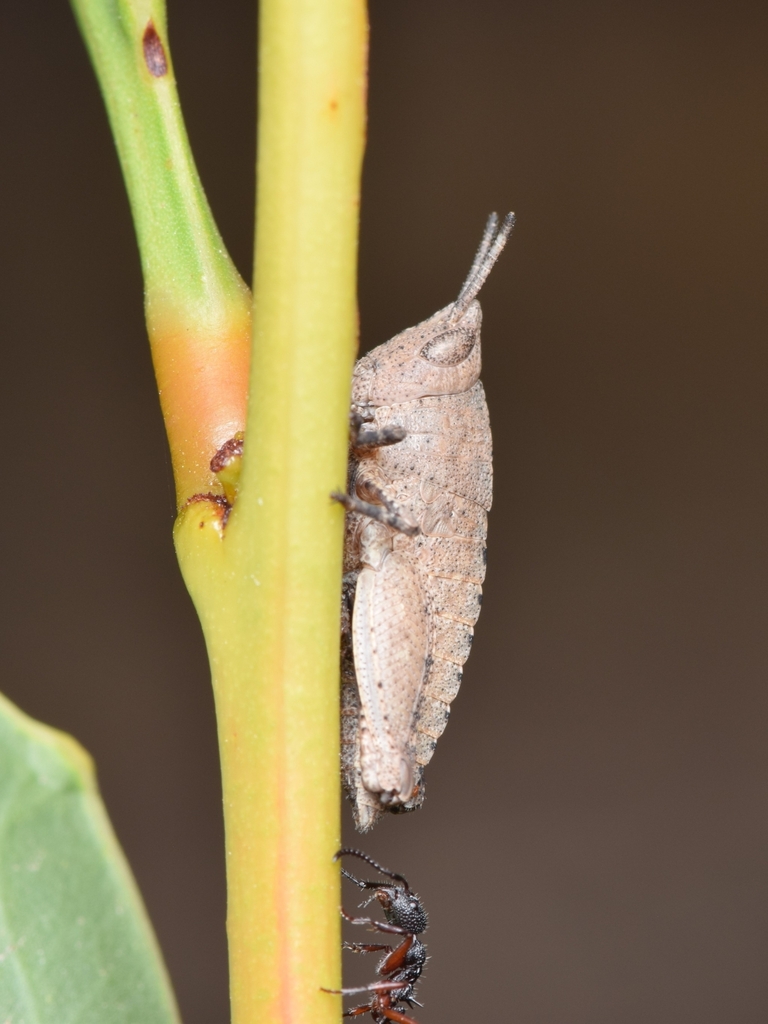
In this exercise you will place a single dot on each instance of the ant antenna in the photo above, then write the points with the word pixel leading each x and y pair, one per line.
pixel 346 852
pixel 493 241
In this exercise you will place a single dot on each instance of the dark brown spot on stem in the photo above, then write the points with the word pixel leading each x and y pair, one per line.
pixel 229 450
pixel 154 52
pixel 220 505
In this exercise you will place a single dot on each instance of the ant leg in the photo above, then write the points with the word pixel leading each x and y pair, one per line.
pixel 376 986
pixel 396 1016
pixel 358 1010
pixel 361 947
pixel 379 926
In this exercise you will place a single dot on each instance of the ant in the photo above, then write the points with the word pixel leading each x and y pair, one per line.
pixel 402 966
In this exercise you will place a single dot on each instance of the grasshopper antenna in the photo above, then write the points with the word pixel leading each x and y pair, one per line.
pixel 491 227
pixel 493 241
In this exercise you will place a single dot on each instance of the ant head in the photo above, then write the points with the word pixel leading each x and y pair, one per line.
pixel 401 906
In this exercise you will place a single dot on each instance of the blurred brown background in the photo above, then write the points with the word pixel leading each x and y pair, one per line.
pixel 594 846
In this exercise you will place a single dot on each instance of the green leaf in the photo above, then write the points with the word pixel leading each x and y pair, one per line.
pixel 76 946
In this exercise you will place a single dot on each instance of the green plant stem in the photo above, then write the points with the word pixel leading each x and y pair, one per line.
pixel 197 306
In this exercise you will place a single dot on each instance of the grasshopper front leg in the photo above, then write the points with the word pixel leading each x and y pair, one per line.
pixel 365 437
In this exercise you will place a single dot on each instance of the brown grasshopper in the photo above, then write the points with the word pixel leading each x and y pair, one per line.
pixel 419 488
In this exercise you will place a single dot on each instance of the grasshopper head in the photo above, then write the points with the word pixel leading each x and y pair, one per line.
pixel 440 356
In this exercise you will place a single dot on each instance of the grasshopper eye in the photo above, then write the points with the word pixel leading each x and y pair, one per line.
pixel 450 348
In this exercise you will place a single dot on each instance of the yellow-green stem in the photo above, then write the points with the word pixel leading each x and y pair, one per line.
pixel 267 584
pixel 269 590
